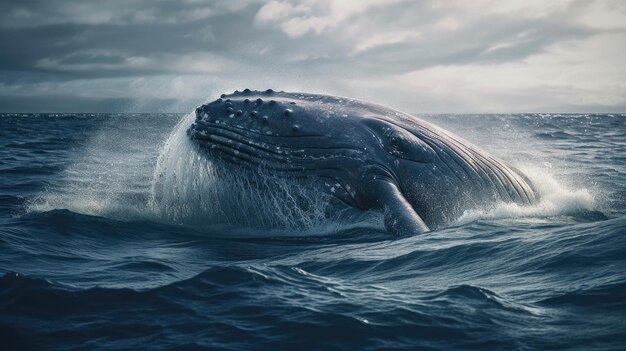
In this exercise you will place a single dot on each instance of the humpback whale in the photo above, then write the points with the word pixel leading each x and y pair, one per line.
pixel 368 156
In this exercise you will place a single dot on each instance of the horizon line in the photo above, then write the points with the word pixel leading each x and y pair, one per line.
pixel 429 113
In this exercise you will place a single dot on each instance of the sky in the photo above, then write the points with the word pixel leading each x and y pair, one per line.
pixel 432 56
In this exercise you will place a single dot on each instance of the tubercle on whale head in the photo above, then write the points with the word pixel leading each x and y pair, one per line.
pixel 280 126
pixel 269 113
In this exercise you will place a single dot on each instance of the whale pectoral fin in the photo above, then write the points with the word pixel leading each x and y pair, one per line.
pixel 399 216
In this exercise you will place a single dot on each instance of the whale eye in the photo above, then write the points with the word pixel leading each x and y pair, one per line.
pixel 400 142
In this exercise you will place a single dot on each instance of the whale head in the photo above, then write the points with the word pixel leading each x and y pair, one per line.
pixel 305 135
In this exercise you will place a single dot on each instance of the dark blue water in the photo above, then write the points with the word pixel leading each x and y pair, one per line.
pixel 87 264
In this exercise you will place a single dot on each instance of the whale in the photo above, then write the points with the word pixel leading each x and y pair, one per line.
pixel 369 157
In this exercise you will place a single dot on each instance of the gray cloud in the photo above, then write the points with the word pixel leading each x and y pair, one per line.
pixel 431 56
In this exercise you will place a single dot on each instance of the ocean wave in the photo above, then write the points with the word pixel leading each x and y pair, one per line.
pixel 607 296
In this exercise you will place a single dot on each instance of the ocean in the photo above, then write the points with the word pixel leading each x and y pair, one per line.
pixel 88 261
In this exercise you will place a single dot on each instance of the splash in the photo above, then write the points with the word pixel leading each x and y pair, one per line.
pixel 556 199
pixel 144 168
pixel 110 176
pixel 191 189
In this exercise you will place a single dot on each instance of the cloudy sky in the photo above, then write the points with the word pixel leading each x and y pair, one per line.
pixel 417 56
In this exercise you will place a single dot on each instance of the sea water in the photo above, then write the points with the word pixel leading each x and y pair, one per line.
pixel 104 245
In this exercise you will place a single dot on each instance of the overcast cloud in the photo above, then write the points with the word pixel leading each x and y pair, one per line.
pixel 418 56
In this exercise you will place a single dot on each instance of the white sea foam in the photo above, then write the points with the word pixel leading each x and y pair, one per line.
pixel 556 199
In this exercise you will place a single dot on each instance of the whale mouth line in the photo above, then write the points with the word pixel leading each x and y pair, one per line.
pixel 250 132
pixel 237 145
pixel 237 140
pixel 239 136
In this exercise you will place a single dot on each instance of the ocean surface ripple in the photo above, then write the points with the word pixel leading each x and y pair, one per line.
pixel 87 262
